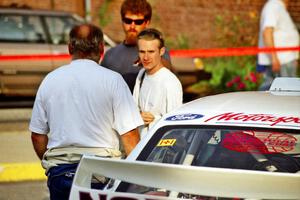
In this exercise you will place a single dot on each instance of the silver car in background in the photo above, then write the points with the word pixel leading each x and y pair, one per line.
pixel 33 43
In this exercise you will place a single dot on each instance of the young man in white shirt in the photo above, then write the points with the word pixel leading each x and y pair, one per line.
pixel 157 90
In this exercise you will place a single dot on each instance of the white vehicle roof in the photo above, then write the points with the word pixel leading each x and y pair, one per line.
pixel 243 103
pixel 279 108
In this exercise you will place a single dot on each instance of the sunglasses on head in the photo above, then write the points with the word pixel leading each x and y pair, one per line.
pixel 136 21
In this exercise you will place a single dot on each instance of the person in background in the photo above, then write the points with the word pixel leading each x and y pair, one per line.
pixel 136 16
pixel 277 30
pixel 157 90
pixel 81 108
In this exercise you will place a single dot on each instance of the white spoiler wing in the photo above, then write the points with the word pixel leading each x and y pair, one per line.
pixel 185 179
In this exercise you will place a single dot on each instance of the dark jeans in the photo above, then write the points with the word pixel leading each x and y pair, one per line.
pixel 268 77
pixel 60 179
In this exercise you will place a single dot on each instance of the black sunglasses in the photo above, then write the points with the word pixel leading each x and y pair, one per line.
pixel 136 21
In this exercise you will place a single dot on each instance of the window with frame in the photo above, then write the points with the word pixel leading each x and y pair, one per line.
pixel 59 28
pixel 222 147
pixel 21 28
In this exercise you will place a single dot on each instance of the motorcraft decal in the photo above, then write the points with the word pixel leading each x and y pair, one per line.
pixel 166 142
pixel 256 142
pixel 241 142
pixel 182 117
pixel 276 142
pixel 256 118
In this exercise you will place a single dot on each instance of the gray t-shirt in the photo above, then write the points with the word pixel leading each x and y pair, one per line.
pixel 121 59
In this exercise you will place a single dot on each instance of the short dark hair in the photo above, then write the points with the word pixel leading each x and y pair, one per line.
pixel 85 39
pixel 152 34
pixel 137 7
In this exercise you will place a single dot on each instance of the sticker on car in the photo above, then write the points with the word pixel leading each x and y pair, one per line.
pixel 182 117
pixel 166 142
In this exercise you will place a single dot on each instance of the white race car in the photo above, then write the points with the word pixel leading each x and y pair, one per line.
pixel 241 145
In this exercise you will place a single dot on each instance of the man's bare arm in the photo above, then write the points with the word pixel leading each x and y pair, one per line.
pixel 268 35
pixel 39 142
pixel 130 140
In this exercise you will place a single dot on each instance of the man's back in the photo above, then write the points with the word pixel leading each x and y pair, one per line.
pixel 83 104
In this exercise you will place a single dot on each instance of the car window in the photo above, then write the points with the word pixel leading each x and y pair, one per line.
pixel 221 147
pixel 21 28
pixel 59 28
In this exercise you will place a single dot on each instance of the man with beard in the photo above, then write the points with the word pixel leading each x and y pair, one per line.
pixel 136 16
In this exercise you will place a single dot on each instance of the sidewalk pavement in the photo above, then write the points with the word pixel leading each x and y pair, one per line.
pixel 13 115
pixel 18 161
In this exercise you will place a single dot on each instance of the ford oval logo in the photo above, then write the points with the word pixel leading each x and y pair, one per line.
pixel 184 117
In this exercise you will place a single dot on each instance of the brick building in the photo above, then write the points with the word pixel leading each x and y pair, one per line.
pixel 185 23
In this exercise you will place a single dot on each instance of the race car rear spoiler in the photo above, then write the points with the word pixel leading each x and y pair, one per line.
pixel 205 181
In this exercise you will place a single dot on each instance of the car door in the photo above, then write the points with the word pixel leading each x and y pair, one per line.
pixel 24 54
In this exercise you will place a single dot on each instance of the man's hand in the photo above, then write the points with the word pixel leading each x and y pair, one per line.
pixel 275 64
pixel 147 117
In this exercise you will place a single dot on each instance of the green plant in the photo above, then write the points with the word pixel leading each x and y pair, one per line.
pixel 234 73
pixel 229 74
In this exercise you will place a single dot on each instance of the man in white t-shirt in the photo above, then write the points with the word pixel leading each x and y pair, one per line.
pixel 82 108
pixel 277 30
pixel 157 90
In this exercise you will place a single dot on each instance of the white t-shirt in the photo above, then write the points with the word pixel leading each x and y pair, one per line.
pixel 159 93
pixel 84 105
pixel 274 14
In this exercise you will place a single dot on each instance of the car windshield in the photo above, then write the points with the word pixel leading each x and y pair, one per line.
pixel 222 147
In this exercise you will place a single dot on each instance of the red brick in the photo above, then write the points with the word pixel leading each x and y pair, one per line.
pixel 194 19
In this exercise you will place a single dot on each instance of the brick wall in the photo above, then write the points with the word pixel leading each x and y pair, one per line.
pixel 294 8
pixel 184 23
pixel 76 6
pixel 196 23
